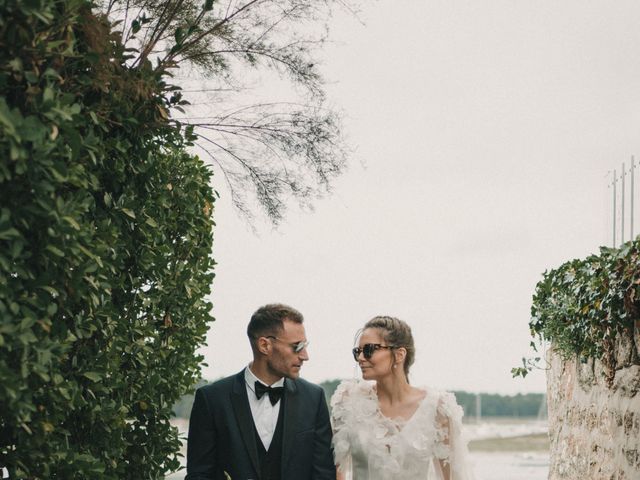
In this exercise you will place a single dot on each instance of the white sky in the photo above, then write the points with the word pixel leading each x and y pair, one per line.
pixel 484 131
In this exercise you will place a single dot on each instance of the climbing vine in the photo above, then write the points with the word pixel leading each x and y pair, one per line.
pixel 584 305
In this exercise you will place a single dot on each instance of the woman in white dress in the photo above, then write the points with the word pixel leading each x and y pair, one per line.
pixel 384 428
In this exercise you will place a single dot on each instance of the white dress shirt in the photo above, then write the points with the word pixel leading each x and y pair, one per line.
pixel 265 415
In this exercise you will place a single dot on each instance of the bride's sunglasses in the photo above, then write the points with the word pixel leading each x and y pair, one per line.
pixel 368 349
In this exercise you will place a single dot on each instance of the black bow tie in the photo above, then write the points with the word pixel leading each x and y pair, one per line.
pixel 275 393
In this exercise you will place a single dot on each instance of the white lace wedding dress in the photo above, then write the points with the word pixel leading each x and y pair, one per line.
pixel 369 446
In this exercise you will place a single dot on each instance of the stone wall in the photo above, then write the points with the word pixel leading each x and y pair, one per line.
pixel 594 427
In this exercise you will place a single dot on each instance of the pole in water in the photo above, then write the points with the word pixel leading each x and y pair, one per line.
pixel 622 175
pixel 615 180
pixel 633 168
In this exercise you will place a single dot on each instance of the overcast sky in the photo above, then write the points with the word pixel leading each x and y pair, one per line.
pixel 483 134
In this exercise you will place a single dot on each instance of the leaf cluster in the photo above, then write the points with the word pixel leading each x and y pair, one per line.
pixel 105 251
pixel 584 305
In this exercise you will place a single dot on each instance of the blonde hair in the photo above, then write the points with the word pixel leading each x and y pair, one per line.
pixel 397 333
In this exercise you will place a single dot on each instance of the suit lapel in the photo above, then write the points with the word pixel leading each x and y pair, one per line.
pixel 242 411
pixel 291 408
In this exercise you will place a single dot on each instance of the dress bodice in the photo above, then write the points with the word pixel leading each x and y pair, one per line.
pixel 374 447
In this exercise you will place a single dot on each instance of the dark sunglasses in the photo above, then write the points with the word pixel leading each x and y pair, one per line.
pixel 368 349
pixel 297 347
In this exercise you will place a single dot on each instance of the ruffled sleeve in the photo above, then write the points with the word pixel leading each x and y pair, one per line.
pixel 451 445
pixel 339 420
pixel 355 422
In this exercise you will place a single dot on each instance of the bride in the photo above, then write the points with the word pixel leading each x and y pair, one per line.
pixel 386 428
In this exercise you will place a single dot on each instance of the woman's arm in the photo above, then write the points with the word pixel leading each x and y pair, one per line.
pixel 341 446
pixel 452 454
pixel 442 465
pixel 443 469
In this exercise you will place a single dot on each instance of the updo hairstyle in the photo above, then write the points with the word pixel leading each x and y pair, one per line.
pixel 395 332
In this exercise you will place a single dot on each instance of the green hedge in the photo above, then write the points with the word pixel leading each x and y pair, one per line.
pixel 105 243
pixel 582 306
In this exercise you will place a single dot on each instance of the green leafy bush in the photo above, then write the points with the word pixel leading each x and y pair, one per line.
pixel 582 306
pixel 105 241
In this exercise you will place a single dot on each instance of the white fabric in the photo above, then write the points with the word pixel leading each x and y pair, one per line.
pixel 265 415
pixel 369 446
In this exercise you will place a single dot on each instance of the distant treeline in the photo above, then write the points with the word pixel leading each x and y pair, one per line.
pixel 182 408
pixel 492 405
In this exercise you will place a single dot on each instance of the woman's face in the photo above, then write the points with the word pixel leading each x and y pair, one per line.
pixel 381 362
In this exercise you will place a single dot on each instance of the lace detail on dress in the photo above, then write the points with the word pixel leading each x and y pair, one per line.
pixel 374 447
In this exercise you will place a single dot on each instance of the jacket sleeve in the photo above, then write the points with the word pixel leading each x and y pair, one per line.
pixel 323 466
pixel 201 446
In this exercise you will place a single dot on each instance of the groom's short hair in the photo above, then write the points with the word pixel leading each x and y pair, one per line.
pixel 267 320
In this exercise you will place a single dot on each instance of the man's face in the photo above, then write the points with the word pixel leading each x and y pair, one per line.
pixel 284 361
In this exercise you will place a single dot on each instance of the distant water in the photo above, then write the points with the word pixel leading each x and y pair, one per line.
pixel 508 465
pixel 511 465
pixel 504 427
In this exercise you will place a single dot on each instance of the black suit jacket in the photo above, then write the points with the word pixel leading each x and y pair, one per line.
pixel 222 434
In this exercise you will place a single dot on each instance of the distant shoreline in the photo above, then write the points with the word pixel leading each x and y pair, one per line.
pixel 537 442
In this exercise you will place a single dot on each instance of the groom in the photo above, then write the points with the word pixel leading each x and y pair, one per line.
pixel 264 423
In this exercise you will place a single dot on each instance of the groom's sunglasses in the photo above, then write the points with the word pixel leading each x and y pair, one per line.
pixel 297 347
pixel 368 349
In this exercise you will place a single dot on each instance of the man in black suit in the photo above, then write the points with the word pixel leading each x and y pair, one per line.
pixel 264 423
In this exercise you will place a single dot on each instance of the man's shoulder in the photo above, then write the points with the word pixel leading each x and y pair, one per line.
pixel 306 385
pixel 221 384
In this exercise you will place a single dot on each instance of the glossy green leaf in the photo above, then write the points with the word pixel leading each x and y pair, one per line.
pixel 55 250
pixel 93 376
pixel 129 212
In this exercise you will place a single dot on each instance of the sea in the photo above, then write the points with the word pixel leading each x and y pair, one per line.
pixel 509 448
pixel 511 465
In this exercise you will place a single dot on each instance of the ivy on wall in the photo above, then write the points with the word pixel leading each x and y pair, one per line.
pixel 584 305
pixel 105 251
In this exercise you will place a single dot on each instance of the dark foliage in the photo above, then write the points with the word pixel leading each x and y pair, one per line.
pixel 105 241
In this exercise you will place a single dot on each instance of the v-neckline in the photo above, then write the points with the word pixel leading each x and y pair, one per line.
pixel 399 422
